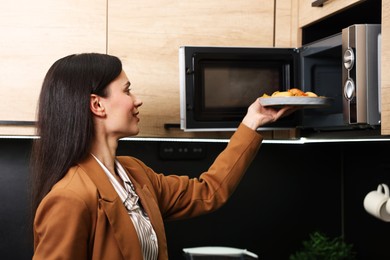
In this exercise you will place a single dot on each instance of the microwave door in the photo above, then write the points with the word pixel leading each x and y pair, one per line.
pixel 321 73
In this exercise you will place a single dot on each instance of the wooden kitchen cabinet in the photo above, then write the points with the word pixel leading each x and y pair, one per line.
pixel 287 33
pixel 309 14
pixel 385 76
pixel 147 35
pixel 33 35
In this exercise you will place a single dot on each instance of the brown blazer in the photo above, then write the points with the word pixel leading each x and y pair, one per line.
pixel 82 217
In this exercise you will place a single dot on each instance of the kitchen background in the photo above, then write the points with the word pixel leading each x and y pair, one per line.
pixel 289 191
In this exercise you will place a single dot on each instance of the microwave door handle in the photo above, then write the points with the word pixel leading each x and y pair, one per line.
pixel 318 3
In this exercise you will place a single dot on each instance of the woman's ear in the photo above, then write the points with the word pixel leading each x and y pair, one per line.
pixel 96 105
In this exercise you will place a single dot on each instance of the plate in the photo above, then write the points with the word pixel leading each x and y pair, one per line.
pixel 303 102
pixel 218 251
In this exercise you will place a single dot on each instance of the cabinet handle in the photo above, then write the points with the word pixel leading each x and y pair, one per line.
pixel 17 123
pixel 318 3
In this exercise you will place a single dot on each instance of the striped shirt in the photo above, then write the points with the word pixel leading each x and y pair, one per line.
pixel 146 234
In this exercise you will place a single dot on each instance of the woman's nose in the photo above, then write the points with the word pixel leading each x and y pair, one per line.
pixel 138 102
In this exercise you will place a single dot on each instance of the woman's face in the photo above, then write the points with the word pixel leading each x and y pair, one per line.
pixel 121 108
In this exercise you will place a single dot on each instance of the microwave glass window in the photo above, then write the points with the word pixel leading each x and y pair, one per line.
pixel 221 83
pixel 226 87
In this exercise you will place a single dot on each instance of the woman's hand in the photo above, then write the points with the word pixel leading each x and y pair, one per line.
pixel 257 115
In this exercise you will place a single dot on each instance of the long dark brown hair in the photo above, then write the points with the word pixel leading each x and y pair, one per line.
pixel 65 127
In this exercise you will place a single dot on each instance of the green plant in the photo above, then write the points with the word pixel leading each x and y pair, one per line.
pixel 321 247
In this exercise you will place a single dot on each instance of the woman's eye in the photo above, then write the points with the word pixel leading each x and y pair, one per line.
pixel 128 91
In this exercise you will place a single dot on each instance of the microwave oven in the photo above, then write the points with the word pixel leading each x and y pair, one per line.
pixel 217 84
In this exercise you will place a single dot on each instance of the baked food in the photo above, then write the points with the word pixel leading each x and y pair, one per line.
pixel 293 92
pixel 282 94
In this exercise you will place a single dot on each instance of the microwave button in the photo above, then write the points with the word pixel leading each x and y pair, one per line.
pixel 349 89
pixel 349 59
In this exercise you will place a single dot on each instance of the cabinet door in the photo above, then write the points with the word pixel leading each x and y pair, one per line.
pixel 309 14
pixel 147 35
pixel 33 35
pixel 287 33
pixel 385 77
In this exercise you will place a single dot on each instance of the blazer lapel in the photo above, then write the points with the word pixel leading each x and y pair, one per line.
pixel 116 213
pixel 151 208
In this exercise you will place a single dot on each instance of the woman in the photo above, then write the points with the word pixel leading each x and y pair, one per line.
pixel 89 204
